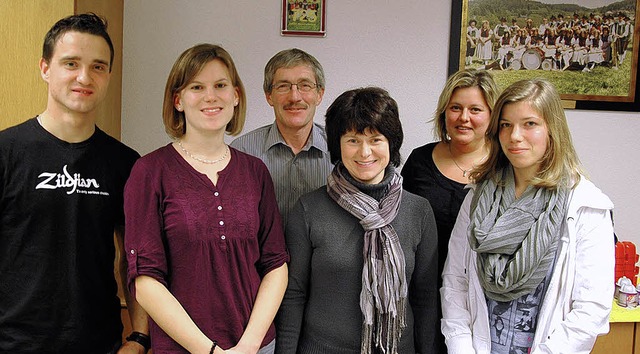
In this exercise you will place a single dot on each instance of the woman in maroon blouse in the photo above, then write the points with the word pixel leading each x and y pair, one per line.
pixel 205 245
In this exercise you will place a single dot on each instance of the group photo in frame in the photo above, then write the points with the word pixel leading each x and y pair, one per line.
pixel 303 18
pixel 588 49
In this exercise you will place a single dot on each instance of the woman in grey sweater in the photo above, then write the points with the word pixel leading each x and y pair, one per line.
pixel 363 271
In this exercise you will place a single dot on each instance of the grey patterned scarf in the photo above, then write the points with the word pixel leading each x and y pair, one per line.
pixel 384 286
pixel 516 239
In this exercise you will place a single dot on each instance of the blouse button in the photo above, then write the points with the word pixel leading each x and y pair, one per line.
pixel 219 207
pixel 133 252
pixel 216 194
pixel 223 237
pixel 221 222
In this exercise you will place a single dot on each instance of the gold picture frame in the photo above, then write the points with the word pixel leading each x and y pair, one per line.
pixel 583 82
pixel 303 18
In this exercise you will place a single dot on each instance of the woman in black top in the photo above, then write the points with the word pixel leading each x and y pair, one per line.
pixel 439 171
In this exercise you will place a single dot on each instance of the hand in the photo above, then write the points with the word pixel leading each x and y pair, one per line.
pixel 131 348
pixel 232 351
pixel 240 348
pixel 235 350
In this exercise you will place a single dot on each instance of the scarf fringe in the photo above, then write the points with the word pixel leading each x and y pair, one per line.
pixel 385 333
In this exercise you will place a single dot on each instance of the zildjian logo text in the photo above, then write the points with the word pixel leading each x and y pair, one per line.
pixel 65 180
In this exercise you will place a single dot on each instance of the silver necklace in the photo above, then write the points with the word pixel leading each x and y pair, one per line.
pixel 464 172
pixel 208 162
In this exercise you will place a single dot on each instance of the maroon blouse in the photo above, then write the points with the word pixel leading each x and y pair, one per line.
pixel 209 245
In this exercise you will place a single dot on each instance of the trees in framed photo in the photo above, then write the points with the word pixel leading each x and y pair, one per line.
pixel 303 18
pixel 588 49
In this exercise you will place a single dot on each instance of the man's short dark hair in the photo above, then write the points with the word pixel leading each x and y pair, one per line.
pixel 84 23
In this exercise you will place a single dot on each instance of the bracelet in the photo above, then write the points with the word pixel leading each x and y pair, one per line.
pixel 213 347
pixel 141 339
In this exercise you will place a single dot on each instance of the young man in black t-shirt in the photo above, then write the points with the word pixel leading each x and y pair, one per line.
pixel 61 185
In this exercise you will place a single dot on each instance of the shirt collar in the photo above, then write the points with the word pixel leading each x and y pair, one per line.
pixel 316 139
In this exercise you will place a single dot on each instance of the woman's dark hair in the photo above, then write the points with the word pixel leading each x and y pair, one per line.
pixel 361 109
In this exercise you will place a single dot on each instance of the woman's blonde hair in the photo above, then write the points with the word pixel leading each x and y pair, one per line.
pixel 481 79
pixel 560 165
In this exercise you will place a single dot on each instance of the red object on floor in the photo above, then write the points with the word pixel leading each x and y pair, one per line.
pixel 626 258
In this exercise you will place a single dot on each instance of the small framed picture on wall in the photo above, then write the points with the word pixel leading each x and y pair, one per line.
pixel 303 18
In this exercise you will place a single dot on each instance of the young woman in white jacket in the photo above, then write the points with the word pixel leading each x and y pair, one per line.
pixel 531 257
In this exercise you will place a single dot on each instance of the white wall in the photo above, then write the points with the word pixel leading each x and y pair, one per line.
pixel 402 47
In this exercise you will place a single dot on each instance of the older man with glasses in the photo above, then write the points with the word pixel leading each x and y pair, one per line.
pixel 293 147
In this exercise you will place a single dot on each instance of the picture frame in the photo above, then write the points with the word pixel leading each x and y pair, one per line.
pixel 303 18
pixel 604 85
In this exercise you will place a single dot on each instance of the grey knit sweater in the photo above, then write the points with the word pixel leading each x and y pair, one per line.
pixel 320 312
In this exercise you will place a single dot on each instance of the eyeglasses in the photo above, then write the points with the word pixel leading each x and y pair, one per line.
pixel 303 86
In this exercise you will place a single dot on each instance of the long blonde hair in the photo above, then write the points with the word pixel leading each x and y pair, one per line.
pixel 560 165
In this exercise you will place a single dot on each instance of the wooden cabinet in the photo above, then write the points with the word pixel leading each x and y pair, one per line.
pixel 620 340
pixel 22 30
pixel 624 332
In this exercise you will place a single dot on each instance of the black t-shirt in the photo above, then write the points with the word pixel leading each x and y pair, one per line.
pixel 59 205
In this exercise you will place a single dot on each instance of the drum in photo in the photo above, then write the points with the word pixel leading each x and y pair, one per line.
pixel 547 64
pixel 532 58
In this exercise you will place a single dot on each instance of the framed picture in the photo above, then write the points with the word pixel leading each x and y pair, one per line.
pixel 589 52
pixel 303 18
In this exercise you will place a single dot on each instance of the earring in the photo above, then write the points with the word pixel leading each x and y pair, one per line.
pixel 235 103
pixel 179 108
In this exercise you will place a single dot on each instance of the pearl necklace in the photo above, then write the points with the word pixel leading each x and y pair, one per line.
pixel 208 162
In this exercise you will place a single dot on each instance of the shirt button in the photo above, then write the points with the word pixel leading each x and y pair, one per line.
pixel 219 207
pixel 223 237
pixel 216 194
pixel 221 222
pixel 133 252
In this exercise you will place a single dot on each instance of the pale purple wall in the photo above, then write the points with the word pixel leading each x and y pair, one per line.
pixel 401 46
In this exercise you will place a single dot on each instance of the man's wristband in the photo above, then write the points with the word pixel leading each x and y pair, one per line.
pixel 141 339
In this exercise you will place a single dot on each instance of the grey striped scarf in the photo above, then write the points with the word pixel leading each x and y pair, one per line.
pixel 516 239
pixel 384 286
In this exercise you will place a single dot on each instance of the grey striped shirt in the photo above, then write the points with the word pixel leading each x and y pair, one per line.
pixel 293 175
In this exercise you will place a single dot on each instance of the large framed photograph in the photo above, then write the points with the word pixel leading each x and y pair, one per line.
pixel 588 49
pixel 303 18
